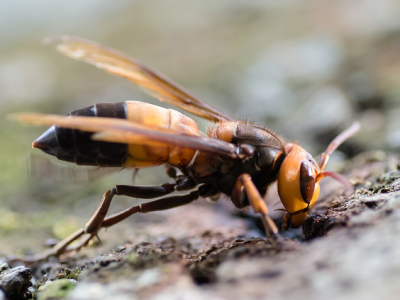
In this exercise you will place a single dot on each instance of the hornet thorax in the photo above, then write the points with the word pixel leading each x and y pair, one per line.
pixel 222 172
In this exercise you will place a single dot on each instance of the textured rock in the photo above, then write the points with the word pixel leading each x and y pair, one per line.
pixel 14 282
pixel 350 251
pixel 58 289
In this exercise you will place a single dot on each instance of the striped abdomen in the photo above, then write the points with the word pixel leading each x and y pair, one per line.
pixel 78 147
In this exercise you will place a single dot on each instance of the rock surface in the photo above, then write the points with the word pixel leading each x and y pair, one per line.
pixel 14 282
pixel 350 251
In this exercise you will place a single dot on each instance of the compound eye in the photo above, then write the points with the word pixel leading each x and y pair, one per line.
pixel 307 181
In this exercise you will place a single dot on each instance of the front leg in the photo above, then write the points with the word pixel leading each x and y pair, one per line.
pixel 245 184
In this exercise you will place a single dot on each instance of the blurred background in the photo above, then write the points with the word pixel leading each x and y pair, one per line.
pixel 307 69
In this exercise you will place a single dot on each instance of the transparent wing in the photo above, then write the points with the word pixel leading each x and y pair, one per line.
pixel 124 131
pixel 117 63
pixel 43 166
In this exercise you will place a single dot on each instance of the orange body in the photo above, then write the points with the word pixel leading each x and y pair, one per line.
pixel 147 156
pixel 238 159
pixel 136 134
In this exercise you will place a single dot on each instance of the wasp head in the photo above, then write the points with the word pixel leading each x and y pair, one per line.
pixel 298 183
pixel 299 177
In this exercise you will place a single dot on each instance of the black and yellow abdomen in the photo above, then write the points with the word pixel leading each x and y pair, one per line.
pixel 147 156
pixel 77 146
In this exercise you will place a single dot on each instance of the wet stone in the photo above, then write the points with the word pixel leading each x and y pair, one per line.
pixel 14 283
pixel 339 238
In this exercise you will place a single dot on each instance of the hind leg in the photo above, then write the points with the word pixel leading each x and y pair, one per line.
pixel 99 220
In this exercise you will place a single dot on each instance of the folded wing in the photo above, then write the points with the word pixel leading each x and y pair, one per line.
pixel 117 63
pixel 124 131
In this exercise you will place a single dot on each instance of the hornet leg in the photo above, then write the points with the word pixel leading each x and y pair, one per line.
pixel 157 205
pixel 98 220
pixel 244 183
